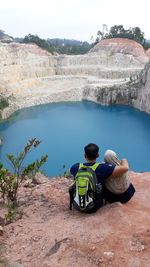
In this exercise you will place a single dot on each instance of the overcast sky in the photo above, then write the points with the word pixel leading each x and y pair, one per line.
pixel 72 19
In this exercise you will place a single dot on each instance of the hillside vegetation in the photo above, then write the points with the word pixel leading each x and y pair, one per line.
pixel 75 47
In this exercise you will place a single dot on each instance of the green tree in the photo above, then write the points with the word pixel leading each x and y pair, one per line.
pixel 57 46
pixel 30 38
pixel 118 31
pixel 10 181
pixel 102 34
pixel 138 35
pixel 146 44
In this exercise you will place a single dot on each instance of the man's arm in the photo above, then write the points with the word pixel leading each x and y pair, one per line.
pixel 74 169
pixel 121 169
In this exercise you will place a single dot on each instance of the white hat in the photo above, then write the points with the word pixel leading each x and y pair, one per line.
pixel 111 157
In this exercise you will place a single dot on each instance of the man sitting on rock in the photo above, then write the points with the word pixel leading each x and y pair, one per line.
pixel 102 170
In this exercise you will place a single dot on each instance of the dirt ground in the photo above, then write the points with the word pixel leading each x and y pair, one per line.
pixel 49 234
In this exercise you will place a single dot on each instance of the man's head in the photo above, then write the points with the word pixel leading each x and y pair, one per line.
pixel 91 151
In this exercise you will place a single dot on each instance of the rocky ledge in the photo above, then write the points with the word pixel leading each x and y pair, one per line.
pixel 49 234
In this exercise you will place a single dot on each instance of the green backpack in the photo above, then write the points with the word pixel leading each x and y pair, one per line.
pixel 86 192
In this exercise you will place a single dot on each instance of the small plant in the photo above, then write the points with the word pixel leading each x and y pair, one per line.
pixel 3 103
pixel 7 183
pixel 10 181
pixel 11 211
pixel 65 173
pixel 62 171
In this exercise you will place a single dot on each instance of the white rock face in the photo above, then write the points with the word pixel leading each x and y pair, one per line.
pixel 20 61
pixel 102 65
pixel 31 76
pixel 143 100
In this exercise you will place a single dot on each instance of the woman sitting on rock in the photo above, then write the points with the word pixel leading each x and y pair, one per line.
pixel 118 189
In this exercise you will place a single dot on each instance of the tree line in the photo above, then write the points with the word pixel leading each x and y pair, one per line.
pixel 74 47
pixel 64 46
pixel 118 31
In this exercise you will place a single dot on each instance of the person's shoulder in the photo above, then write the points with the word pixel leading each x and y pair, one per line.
pixel 104 165
pixel 105 169
pixel 76 165
pixel 74 168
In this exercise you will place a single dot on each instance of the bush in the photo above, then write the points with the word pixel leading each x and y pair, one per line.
pixel 10 181
pixel 3 103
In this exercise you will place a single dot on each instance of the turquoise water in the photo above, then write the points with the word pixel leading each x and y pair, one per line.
pixel 65 128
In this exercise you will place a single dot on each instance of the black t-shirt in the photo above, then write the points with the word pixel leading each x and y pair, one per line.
pixel 103 171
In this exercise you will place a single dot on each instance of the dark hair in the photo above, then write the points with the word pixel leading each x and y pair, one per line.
pixel 91 151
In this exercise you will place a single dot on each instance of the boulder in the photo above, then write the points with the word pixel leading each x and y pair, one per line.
pixel 39 179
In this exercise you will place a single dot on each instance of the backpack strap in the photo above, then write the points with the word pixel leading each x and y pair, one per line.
pixel 81 165
pixel 71 194
pixel 93 167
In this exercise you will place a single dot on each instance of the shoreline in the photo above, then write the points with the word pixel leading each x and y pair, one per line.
pixel 70 88
pixel 106 75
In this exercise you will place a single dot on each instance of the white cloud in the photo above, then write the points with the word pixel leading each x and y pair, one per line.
pixel 77 19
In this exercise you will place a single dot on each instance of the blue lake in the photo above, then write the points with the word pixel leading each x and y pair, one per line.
pixel 65 128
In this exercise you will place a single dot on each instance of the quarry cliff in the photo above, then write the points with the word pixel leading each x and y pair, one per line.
pixel 109 74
